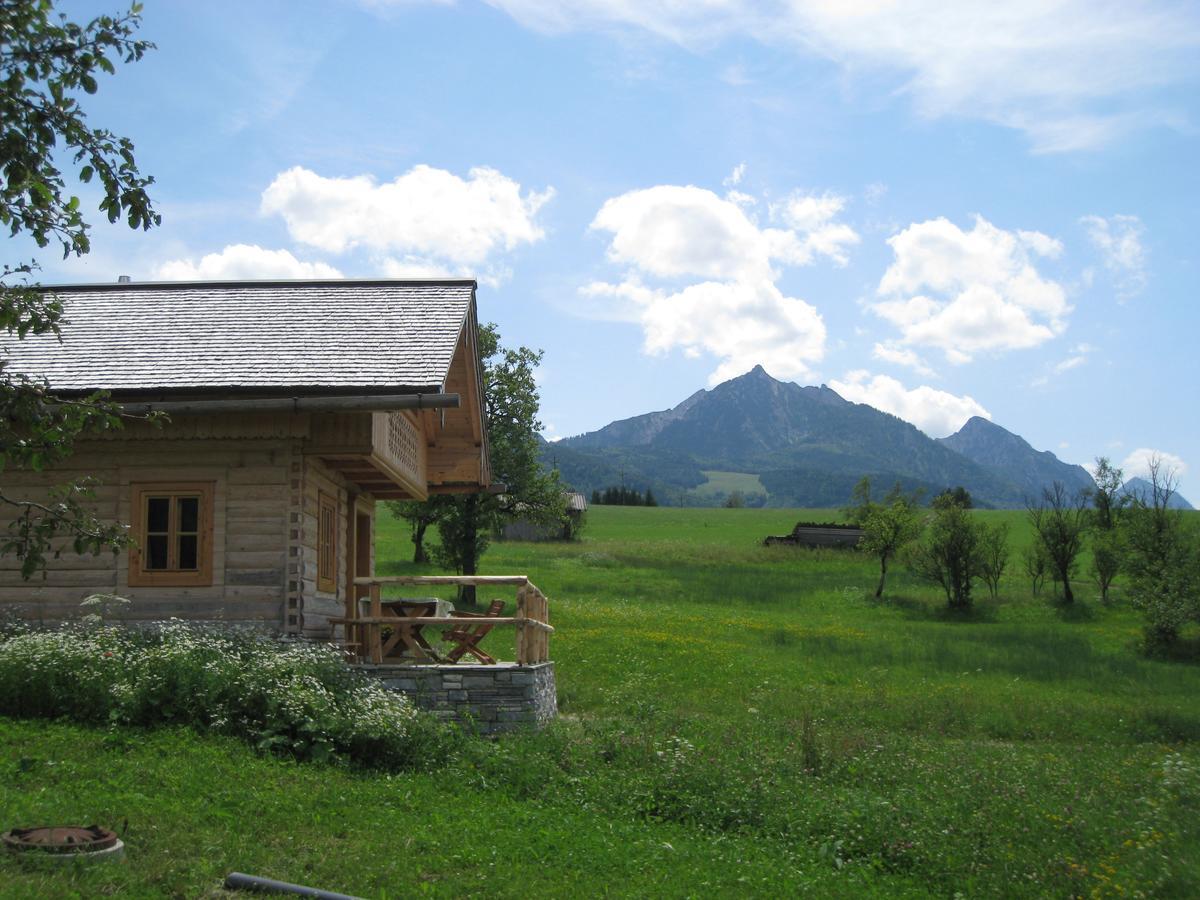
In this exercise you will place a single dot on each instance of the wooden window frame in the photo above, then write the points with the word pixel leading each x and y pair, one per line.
pixel 202 576
pixel 327 543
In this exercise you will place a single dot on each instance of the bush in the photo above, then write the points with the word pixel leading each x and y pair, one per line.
pixel 1059 521
pixel 295 699
pixel 950 555
pixel 993 555
pixel 1162 561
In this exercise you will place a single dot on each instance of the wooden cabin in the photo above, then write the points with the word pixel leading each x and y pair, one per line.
pixel 294 406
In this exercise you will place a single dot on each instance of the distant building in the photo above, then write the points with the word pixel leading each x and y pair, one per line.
pixel 525 530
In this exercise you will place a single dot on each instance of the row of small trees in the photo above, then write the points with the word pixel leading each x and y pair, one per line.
pixel 956 549
pixel 623 496
pixel 1140 536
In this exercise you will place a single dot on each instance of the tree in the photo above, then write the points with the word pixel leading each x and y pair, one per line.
pixel 887 527
pixel 1059 522
pixel 419 515
pixel 1034 562
pixel 735 500
pixel 959 495
pixel 46 62
pixel 860 505
pixel 1107 505
pixel 1162 560
pixel 511 412
pixel 993 554
pixel 950 554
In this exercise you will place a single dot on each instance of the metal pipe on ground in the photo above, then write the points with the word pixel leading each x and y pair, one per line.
pixel 240 881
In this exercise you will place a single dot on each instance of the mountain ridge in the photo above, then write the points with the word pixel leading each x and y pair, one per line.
pixel 808 445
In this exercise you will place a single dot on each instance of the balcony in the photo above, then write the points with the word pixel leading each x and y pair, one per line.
pixel 383 453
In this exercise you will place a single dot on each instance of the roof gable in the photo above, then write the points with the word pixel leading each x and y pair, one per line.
pixel 398 336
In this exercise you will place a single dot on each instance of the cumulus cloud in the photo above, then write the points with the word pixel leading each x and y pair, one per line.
pixel 966 292
pixel 425 214
pixel 1119 240
pixel 244 261
pixel 937 413
pixel 743 323
pixel 730 305
pixel 902 356
pixel 1072 74
pixel 1138 463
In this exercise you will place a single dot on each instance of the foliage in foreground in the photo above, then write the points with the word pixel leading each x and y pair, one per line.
pixel 296 699
pixel 46 64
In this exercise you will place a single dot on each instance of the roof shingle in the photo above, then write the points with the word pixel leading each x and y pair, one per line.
pixel 339 335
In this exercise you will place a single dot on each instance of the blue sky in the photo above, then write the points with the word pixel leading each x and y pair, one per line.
pixel 941 209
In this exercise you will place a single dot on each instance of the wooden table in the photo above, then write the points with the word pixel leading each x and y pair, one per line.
pixel 406 632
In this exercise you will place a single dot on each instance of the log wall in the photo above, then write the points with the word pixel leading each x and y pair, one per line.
pixel 249 531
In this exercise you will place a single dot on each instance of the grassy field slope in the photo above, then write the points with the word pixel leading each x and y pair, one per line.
pixel 720 483
pixel 736 721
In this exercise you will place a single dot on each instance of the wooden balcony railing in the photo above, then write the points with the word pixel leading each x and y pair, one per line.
pixel 532 620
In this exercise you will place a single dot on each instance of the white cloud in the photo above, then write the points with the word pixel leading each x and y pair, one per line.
pixel 937 413
pixel 986 293
pixel 875 191
pixel 902 356
pixel 736 176
pixel 427 214
pixel 1138 463
pixel 1119 240
pixel 731 307
pixel 743 323
pixel 1072 74
pixel 1078 357
pixel 244 261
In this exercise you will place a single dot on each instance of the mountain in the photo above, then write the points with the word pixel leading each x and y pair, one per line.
pixel 1144 491
pixel 807 444
pixel 1010 457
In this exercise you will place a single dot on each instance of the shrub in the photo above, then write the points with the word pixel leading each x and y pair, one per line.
pixel 993 555
pixel 887 527
pixel 1162 561
pixel 1034 562
pixel 290 698
pixel 950 554
pixel 1059 521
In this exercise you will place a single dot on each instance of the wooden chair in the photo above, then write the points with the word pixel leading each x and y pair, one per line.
pixel 466 637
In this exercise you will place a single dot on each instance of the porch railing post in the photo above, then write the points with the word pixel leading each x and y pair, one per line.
pixel 374 629
pixel 522 631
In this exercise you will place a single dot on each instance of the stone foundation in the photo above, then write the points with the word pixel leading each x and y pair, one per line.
pixel 487 699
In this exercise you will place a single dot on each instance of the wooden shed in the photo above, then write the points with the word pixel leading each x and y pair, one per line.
pixel 293 407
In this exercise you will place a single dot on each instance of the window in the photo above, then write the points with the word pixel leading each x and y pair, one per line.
pixel 327 544
pixel 172 524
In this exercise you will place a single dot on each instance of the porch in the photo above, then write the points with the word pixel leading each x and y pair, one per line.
pixel 386 639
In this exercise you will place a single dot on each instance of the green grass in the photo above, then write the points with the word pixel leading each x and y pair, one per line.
pixel 737 721
pixel 728 482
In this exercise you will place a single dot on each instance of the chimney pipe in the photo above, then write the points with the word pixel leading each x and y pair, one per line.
pixel 124 279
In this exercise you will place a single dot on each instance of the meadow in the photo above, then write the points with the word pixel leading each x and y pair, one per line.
pixel 736 720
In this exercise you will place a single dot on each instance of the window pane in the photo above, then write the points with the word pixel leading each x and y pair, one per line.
pixel 156 551
pixel 187 551
pixel 189 513
pixel 158 513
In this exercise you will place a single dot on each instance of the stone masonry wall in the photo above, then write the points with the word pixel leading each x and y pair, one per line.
pixel 488 699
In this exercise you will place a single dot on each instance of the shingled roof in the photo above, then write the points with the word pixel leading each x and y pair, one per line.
pixel 254 336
